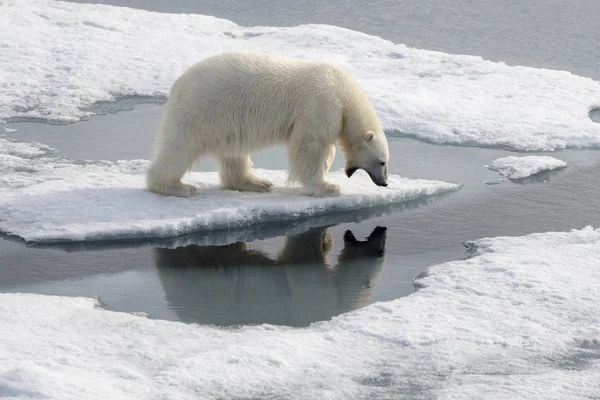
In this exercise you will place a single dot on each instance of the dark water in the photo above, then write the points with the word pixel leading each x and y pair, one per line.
pixel 284 277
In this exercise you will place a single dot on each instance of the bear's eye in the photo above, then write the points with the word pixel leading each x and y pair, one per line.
pixel 383 163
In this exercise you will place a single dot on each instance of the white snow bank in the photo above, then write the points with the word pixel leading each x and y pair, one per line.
pixel 48 198
pixel 514 167
pixel 59 58
pixel 518 320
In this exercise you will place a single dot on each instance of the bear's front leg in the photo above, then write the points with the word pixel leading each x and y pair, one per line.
pixel 308 165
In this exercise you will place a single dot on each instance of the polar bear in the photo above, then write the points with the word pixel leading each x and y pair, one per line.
pixel 234 104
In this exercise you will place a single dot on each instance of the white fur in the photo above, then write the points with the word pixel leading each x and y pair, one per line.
pixel 235 104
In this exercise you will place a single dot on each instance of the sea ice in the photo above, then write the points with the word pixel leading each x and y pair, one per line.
pixel 59 58
pixel 44 197
pixel 519 167
pixel 518 319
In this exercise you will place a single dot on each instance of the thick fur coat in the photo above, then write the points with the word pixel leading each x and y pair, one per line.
pixel 235 104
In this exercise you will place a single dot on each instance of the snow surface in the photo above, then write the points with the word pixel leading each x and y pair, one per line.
pixel 520 319
pixel 59 58
pixel 44 197
pixel 515 167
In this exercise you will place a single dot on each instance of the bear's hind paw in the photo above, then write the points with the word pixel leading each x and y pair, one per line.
pixel 252 185
pixel 323 190
pixel 182 190
pixel 187 191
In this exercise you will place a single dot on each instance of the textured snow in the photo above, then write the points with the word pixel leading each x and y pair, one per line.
pixel 519 319
pixel 59 58
pixel 45 197
pixel 515 167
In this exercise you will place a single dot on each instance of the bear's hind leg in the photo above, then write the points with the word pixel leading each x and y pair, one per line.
pixel 236 173
pixel 168 167
pixel 329 157
pixel 308 165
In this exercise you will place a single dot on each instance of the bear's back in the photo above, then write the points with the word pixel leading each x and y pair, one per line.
pixel 255 74
pixel 243 92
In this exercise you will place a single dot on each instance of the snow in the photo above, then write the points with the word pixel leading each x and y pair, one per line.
pixel 518 319
pixel 515 167
pixel 59 58
pixel 45 197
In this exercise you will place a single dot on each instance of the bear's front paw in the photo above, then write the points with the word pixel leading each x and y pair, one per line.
pixel 323 190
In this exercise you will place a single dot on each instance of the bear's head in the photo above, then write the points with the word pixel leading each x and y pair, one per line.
pixel 370 154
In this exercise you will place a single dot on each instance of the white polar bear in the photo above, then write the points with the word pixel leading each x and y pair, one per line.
pixel 235 104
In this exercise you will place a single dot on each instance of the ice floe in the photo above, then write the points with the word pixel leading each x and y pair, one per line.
pixel 519 167
pixel 45 197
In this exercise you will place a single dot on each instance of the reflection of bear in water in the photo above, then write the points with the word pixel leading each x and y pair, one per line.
pixel 374 246
pixel 355 252
pixel 233 284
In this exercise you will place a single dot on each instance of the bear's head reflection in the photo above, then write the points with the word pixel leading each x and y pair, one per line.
pixel 236 284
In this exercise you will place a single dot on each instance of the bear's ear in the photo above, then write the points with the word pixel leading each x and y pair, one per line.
pixel 349 237
pixel 369 136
